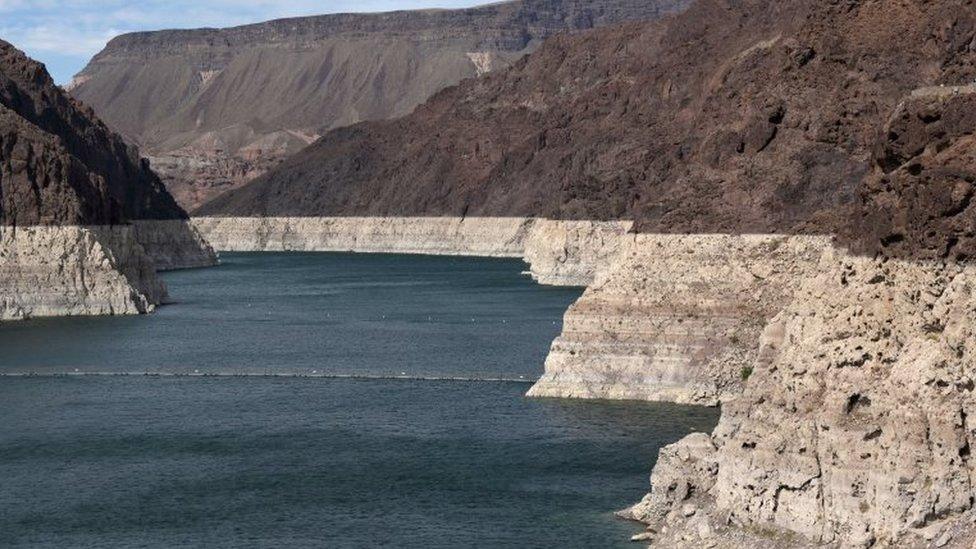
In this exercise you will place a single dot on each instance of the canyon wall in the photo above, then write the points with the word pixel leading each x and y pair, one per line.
pixel 676 318
pixel 565 253
pixel 173 244
pixel 214 108
pixel 853 429
pixel 75 271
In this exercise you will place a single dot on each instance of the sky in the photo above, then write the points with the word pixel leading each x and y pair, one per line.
pixel 65 34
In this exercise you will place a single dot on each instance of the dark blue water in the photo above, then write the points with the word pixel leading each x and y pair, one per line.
pixel 145 461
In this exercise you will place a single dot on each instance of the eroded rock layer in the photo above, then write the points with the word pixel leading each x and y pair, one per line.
pixel 565 253
pixel 854 427
pixel 173 244
pixel 675 318
pixel 214 108
pixel 75 271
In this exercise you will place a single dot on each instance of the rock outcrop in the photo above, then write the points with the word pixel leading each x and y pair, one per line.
pixel 75 271
pixel 566 253
pixel 917 202
pixel 213 108
pixel 79 210
pixel 676 318
pixel 853 427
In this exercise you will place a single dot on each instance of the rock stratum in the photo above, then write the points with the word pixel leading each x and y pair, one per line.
pixel 84 222
pixel 562 253
pixel 214 108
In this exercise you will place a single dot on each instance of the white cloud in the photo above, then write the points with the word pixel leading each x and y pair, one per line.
pixel 57 38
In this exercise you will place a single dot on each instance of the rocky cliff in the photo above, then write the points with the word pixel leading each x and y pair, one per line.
pixel 853 428
pixel 78 207
pixel 845 369
pixel 60 164
pixel 732 116
pixel 565 253
pixel 213 108
pixel 675 318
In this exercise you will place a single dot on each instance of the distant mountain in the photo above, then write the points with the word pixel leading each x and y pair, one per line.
pixel 732 116
pixel 213 108
pixel 60 165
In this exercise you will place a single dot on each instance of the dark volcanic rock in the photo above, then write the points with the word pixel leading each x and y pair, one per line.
pixel 918 201
pixel 732 116
pixel 59 165
pixel 213 108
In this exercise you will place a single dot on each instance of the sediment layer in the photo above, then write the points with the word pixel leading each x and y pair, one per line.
pixel 853 428
pixel 559 252
pixel 174 244
pixel 75 271
pixel 675 318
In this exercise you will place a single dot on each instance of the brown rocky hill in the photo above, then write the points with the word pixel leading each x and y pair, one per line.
pixel 213 108
pixel 732 116
pixel 59 165
pixel 918 200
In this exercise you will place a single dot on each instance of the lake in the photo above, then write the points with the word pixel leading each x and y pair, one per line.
pixel 318 400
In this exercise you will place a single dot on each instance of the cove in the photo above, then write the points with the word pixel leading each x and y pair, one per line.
pixel 161 461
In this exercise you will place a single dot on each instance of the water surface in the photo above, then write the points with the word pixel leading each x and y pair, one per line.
pixel 145 461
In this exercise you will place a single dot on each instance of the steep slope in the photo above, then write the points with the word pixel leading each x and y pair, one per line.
pixel 216 107
pixel 731 116
pixel 84 223
pixel 917 201
pixel 61 165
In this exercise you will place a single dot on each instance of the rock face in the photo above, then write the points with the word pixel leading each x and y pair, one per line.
pixel 59 165
pixel 173 244
pixel 917 202
pixel 78 208
pixel 853 427
pixel 732 116
pixel 72 270
pixel 566 253
pixel 676 318
pixel 213 108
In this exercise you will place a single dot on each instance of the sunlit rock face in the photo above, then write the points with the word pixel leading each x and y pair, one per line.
pixel 676 318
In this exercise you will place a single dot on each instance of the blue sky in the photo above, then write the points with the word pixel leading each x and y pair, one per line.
pixel 64 34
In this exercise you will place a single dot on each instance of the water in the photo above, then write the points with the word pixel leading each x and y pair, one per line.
pixel 256 461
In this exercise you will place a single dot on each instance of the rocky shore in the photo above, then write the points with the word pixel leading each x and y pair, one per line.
pixel 843 378
pixel 71 271
pixel 868 365
pixel 567 253
pixel 84 223
pixel 676 318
